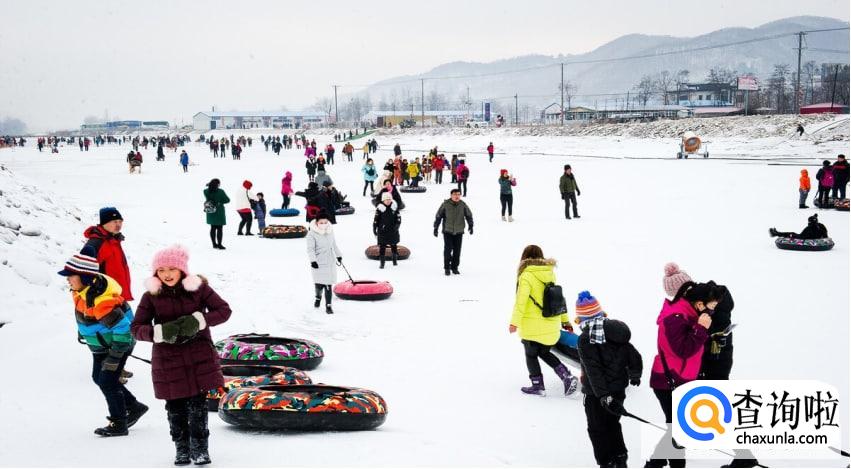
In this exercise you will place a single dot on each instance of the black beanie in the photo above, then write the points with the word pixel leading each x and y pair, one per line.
pixel 107 214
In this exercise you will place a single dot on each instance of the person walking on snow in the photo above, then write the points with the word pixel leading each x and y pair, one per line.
pixel 310 165
pixel 453 213
pixel 215 199
pixel 803 189
pixel 370 174
pixel 569 191
pixel 462 173
pixel 717 360
pixel 260 213
pixel 840 177
pixel 609 364
pixel 176 313
pixel 490 152
pixel 103 323
pixel 385 226
pixel 684 324
pixel 286 189
pixel 245 200
pixel 506 196
pixel 538 333
pixel 104 242
pixel 324 255
pixel 825 179
pixel 184 161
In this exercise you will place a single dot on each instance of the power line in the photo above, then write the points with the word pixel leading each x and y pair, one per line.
pixel 830 51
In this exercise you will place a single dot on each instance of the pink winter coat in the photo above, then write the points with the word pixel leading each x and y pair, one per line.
pixel 681 340
pixel 287 184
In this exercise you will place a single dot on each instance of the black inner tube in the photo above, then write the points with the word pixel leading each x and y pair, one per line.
pixel 249 370
pixel 268 340
pixel 316 388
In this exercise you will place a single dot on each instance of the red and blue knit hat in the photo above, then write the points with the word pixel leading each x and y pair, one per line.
pixel 587 307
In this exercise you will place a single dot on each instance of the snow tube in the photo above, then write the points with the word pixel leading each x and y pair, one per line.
pixel 372 252
pixel 284 212
pixel 841 204
pixel 284 231
pixel 241 376
pixel 822 244
pixel 345 210
pixel 363 290
pixel 411 189
pixel 311 407
pixel 261 349
pixel 830 202
pixel 568 344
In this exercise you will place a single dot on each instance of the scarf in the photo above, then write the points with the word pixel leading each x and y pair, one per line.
pixel 597 333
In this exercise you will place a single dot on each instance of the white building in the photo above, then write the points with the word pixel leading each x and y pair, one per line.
pixel 249 120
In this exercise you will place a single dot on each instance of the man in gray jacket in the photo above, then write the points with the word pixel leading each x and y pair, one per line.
pixel 454 213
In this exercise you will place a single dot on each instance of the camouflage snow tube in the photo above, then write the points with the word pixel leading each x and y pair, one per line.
pixel 261 349
pixel 241 376
pixel 412 189
pixel 312 407
pixel 790 244
pixel 284 231
pixel 841 205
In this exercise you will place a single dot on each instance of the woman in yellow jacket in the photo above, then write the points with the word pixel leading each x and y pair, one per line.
pixel 538 333
pixel 414 172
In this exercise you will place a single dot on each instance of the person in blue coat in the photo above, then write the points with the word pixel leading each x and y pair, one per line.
pixel 184 161
pixel 370 174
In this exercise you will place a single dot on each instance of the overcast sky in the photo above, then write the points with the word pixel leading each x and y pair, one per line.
pixel 165 60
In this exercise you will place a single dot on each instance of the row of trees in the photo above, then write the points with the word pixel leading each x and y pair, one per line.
pixel 12 126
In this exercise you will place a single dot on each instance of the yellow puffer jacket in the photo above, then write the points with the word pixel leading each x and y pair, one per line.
pixel 413 170
pixel 534 275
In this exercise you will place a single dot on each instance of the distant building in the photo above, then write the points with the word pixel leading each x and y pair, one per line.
pixel 552 113
pixel 248 120
pixel 114 126
pixel 703 94
pixel 394 118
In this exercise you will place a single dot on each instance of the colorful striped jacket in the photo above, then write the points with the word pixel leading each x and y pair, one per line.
pixel 103 317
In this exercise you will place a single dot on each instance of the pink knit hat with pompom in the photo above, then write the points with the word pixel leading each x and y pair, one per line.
pixel 174 256
pixel 674 278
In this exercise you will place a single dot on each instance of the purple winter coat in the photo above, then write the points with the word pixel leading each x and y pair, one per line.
pixel 187 369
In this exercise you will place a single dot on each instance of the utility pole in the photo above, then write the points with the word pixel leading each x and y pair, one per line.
pixel 336 112
pixel 422 101
pixel 562 93
pixel 801 35
pixel 516 116
pixel 833 94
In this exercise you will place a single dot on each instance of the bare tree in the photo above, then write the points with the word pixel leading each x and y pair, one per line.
pixel 810 74
pixel 435 100
pixel 644 88
pixel 568 92
pixel 324 104
pixel 664 83
pixel 777 85
pixel 720 78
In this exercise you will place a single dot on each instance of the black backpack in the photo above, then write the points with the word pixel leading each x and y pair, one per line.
pixel 554 302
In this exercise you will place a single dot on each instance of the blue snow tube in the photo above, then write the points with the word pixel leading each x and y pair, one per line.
pixel 284 212
pixel 568 344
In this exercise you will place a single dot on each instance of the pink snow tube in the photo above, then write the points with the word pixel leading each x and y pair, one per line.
pixel 363 290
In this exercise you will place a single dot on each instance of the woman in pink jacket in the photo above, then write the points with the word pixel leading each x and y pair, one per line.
pixel 683 331
pixel 286 189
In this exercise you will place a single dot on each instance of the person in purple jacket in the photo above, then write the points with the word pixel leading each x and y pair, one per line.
pixel 683 331
pixel 176 314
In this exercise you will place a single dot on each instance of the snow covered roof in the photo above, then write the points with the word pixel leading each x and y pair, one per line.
pixel 402 112
pixel 262 114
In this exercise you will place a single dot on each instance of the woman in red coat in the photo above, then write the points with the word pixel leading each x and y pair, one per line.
pixel 175 314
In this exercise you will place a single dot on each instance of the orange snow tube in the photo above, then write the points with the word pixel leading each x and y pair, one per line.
pixel 691 142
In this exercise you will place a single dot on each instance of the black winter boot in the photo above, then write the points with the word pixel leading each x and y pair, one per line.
pixel 135 413
pixel 742 463
pixel 395 257
pixel 619 461
pixel 381 260
pixel 116 427
pixel 316 302
pixel 181 455
pixel 198 450
pixel 328 309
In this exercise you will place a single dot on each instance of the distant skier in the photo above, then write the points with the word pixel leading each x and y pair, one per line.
pixel 609 364
pixel 453 213
pixel 176 314
pixel 324 255
pixel 569 191
pixel 538 333
pixel 800 130
pixel 813 230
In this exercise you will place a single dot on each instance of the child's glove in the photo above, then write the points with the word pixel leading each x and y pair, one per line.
pixel 192 324
pixel 635 381
pixel 111 362
pixel 167 332
pixel 567 326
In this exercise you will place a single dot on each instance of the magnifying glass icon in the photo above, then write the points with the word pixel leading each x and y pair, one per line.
pixel 713 421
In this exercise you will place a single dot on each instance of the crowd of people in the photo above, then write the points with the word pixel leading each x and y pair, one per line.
pixel 694 339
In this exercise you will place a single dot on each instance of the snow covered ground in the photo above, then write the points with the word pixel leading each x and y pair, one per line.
pixel 438 351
